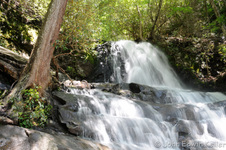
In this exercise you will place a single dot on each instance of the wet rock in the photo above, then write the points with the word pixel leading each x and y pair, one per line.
pixel 67 106
pixel 68 110
pixel 103 69
pixel 181 111
pixel 220 104
pixel 62 97
pixel 216 106
pixel 67 117
pixel 135 88
pixel 189 128
pixel 190 120
pixel 133 91
pixel 212 130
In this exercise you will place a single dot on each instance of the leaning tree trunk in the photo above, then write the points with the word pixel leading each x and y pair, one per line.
pixel 37 70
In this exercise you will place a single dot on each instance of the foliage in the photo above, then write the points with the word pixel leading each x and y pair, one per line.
pixel 222 53
pixel 76 39
pixel 3 93
pixel 200 58
pixel 95 20
pixel 77 28
pixel 33 110
pixel 17 18
pixel 91 22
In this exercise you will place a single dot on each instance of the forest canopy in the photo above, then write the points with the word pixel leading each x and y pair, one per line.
pixel 91 20
pixel 191 32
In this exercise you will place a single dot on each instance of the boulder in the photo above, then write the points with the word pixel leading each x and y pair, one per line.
pixel 67 106
pixel 17 138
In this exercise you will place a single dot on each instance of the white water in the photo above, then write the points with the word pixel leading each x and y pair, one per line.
pixel 144 64
pixel 125 124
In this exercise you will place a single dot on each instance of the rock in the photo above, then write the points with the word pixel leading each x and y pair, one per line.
pixel 13 137
pixel 134 88
pixel 220 104
pixel 103 70
pixel 4 86
pixel 11 63
pixel 137 91
pixel 17 138
pixel 184 127
pixel 67 83
pixel 5 120
pixel 77 84
pixel 189 120
pixel 67 107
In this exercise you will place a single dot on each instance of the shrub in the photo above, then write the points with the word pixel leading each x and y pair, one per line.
pixel 33 110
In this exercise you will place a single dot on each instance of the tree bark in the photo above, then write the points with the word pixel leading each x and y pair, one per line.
pixel 37 70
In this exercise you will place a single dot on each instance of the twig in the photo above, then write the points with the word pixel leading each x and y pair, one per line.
pixel 59 68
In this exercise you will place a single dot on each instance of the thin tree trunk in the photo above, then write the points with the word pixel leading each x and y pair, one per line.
pixel 155 22
pixel 37 70
pixel 217 13
pixel 149 10
pixel 140 24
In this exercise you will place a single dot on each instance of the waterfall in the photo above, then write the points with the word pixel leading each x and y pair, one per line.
pixel 178 119
pixel 142 63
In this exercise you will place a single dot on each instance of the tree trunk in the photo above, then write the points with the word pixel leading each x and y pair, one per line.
pixel 37 70
pixel 217 13
pixel 155 22
pixel 140 25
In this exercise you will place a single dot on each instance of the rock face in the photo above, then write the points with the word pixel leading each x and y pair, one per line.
pixel 67 105
pixel 11 63
pixel 103 69
pixel 16 138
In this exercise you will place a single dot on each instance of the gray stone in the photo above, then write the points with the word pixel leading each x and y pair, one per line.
pixel 17 138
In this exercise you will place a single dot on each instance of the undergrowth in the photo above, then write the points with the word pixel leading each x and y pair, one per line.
pixel 33 110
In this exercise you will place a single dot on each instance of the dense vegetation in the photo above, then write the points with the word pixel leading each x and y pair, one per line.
pixel 191 32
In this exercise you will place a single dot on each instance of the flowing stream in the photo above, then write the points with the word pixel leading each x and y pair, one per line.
pixel 183 119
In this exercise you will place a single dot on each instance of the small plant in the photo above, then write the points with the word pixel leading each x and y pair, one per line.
pixel 33 110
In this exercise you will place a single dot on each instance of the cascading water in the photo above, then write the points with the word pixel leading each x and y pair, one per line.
pixel 122 124
pixel 182 119
pixel 142 63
